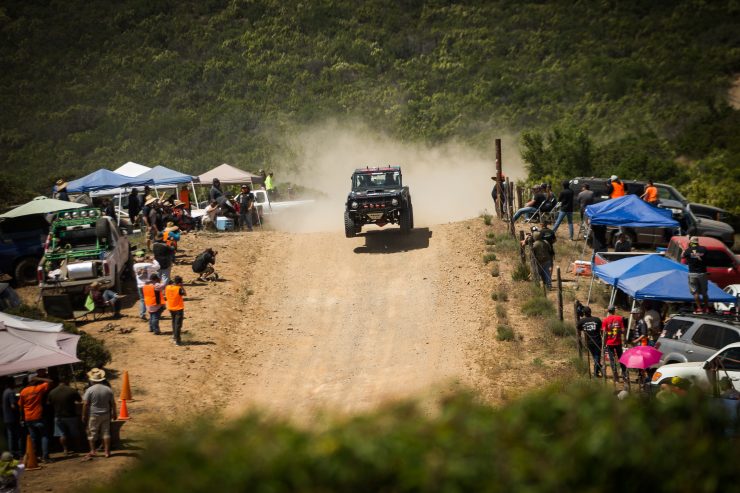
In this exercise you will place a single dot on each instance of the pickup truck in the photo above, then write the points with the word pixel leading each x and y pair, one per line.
pixel 263 205
pixel 705 374
pixel 83 246
pixel 723 267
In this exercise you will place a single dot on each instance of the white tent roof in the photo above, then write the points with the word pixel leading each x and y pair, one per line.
pixel 132 169
pixel 16 322
pixel 227 173
pixel 24 350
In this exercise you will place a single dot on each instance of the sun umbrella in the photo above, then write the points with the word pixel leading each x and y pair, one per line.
pixel 641 357
pixel 41 205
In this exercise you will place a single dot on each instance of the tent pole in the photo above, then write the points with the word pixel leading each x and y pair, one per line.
pixel 588 300
pixel 120 199
pixel 195 196
pixel 629 323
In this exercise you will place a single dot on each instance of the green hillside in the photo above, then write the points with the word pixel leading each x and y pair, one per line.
pixel 192 84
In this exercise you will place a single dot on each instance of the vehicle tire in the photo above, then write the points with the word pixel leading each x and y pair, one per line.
pixel 349 226
pixel 411 213
pixel 25 271
pixel 102 228
pixel 406 220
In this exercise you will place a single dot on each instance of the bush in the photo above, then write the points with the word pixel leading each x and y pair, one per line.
pixel 520 272
pixel 491 235
pixel 538 443
pixel 489 257
pixel 490 248
pixel 507 243
pixel 501 311
pixel 559 328
pixel 487 219
pixel 504 333
pixel 495 270
pixel 539 306
pixel 503 294
pixel 490 241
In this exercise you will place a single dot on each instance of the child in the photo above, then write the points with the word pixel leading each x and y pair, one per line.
pixel 10 472
pixel 153 299
pixel 176 305
pixel 203 265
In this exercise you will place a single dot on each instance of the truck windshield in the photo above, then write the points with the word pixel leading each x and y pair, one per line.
pixel 365 181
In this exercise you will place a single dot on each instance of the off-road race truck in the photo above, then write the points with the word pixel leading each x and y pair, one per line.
pixel 83 246
pixel 378 197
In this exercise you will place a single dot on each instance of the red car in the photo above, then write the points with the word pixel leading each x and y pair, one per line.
pixel 723 267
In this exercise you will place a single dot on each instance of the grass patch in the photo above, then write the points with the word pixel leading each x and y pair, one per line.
pixel 538 362
pixel 559 328
pixel 495 272
pixel 539 306
pixel 507 243
pixel 501 311
pixel 487 219
pixel 520 272
pixel 489 257
pixel 494 296
pixel 491 235
pixel 490 241
pixel 504 333
pixel 490 248
pixel 503 294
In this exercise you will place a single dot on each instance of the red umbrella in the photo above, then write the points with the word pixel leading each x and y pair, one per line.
pixel 641 357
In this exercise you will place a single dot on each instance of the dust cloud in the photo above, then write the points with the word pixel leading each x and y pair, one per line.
pixel 449 182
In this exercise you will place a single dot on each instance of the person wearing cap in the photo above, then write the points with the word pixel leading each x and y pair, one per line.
pixel 98 409
pixel 174 294
pixel 11 471
pixel 61 190
pixel 538 197
pixel 30 402
pixel 144 267
pixel 215 193
pixel 566 208
pixel 171 235
pixel 270 186
pixel 245 199
pixel 543 253
pixel 695 257
pixel 150 216
pixel 164 254
pixel 153 292
pixel 615 187
pixel 133 206
pixel 590 326
pixel 613 328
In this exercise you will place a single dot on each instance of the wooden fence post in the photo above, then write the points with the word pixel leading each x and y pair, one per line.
pixel 560 293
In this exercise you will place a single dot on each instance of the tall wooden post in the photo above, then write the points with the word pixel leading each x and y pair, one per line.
pixel 499 175
pixel 560 293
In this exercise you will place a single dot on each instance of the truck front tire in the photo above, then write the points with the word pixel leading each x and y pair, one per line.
pixel 349 226
pixel 407 220
pixel 25 271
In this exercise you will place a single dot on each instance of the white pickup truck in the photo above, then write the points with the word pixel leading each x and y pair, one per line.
pixel 705 374
pixel 264 205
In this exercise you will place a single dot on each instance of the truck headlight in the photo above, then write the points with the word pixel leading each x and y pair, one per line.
pixel 394 202
pixel 354 205
pixel 656 376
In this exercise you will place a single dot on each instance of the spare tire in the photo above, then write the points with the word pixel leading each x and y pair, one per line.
pixel 102 228
pixel 25 271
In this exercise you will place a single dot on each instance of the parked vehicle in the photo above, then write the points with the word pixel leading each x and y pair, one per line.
pixel 22 246
pixel 734 290
pixel 723 267
pixel 83 246
pixel 688 338
pixel 601 258
pixel 707 372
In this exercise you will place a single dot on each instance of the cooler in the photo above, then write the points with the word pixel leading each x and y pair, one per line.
pixel 224 224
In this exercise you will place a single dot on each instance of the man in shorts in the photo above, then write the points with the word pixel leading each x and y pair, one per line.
pixel 695 256
pixel 64 399
pixel 98 409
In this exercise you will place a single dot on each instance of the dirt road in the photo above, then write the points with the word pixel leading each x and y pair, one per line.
pixel 299 322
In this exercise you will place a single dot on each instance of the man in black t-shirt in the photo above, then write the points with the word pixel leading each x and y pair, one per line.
pixel 532 206
pixel 591 328
pixel 203 265
pixel 694 256
pixel 566 209
pixel 64 399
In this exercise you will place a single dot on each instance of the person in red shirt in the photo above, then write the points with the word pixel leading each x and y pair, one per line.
pixel 613 328
pixel 31 402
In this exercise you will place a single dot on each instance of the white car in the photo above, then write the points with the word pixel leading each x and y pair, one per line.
pixel 705 374
pixel 734 290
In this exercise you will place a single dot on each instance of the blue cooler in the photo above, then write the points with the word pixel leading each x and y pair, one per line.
pixel 224 224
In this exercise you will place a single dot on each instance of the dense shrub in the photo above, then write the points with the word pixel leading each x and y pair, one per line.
pixel 504 332
pixel 520 272
pixel 577 439
pixel 538 306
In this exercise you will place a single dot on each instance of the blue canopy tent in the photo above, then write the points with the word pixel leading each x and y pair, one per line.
pixel 630 211
pixel 672 285
pixel 626 268
pixel 163 176
pixel 104 179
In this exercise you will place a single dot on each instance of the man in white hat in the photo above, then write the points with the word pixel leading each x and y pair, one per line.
pixel 98 409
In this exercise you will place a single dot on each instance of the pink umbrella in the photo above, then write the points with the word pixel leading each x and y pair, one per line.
pixel 641 357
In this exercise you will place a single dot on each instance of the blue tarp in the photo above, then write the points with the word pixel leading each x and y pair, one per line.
pixel 630 211
pixel 165 176
pixel 104 179
pixel 612 272
pixel 670 285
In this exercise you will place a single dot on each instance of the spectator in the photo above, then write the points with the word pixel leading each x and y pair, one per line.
pixel 171 235
pixel 154 301
pixel 695 258
pixel 543 253
pixel 31 402
pixel 566 209
pixel 651 194
pixel 501 205
pixel 106 297
pixel 109 209
pixel 165 256
pixel 639 335
pixel 547 234
pixel 203 265
pixel 532 206
pixel 215 192
pixel 8 297
pixel 144 267
pixel 613 328
pixel 184 197
pixel 209 219
pixel 245 199
pixel 585 198
pixel 550 200
pixel 10 473
pixel 134 206
pixel 150 216
pixel 64 399
pixel 11 417
pixel 654 322
pixel 270 186
pixel 176 305
pixel 61 187
pixel 623 243
pixel 591 328
pixel 615 187
pixel 98 409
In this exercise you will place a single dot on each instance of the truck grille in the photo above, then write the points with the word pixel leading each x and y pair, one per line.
pixel 375 204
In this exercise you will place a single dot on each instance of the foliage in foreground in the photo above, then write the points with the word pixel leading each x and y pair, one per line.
pixel 580 439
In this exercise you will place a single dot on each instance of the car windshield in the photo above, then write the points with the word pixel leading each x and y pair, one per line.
pixel 364 181
pixel 670 193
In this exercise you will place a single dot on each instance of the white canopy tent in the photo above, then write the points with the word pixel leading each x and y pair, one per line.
pixel 131 169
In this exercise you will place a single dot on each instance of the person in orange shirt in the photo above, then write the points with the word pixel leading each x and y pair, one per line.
pixel 615 187
pixel 31 402
pixel 651 194
pixel 176 305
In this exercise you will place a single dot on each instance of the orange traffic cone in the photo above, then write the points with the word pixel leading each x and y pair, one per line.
pixel 31 462
pixel 125 388
pixel 123 416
